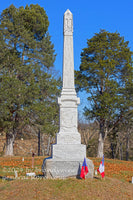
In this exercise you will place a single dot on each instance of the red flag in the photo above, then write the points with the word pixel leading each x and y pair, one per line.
pixel 101 168
pixel 84 169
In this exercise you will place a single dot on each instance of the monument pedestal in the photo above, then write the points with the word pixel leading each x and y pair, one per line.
pixel 68 153
pixel 66 161
pixel 54 168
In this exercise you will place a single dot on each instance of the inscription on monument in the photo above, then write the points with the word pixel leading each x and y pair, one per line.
pixel 69 120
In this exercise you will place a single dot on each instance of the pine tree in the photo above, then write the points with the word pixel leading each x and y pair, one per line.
pixel 26 84
pixel 106 74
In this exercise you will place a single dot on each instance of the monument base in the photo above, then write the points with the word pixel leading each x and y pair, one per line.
pixel 53 168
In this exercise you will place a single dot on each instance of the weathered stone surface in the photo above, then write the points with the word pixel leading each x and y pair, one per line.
pixel 68 153
pixel 68 57
pixel 63 169
pixel 68 117
pixel 69 138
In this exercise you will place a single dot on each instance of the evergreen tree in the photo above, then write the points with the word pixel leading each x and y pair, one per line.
pixel 106 74
pixel 27 89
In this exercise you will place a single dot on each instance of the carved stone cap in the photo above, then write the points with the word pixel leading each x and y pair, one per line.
pixel 68 23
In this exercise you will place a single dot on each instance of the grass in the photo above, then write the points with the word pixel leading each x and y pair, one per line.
pixel 115 185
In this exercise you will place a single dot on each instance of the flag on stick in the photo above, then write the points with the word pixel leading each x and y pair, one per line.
pixel 101 168
pixel 84 169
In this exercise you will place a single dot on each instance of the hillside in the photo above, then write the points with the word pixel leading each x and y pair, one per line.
pixel 116 184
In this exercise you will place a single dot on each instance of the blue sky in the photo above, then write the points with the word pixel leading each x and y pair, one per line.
pixel 88 16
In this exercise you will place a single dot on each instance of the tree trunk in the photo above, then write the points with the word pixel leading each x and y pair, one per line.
pixel 48 146
pixel 101 140
pixel 112 150
pixel 127 147
pixel 100 146
pixel 10 137
pixel 39 139
pixel 121 152
pixel 42 145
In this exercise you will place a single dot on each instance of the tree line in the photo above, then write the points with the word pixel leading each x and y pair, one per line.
pixel 29 87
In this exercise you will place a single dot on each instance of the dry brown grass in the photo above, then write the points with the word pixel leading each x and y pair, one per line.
pixel 115 185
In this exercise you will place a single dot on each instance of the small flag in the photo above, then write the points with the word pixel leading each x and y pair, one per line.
pixel 101 168
pixel 84 169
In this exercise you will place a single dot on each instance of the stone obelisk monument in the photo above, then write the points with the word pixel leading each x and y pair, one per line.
pixel 68 153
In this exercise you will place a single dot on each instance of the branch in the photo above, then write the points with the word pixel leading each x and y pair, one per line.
pixel 107 132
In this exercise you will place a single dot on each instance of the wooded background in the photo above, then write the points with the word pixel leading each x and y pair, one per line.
pixel 29 87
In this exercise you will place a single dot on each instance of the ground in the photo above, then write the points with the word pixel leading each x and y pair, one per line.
pixel 116 184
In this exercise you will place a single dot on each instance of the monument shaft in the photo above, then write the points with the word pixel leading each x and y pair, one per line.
pixel 68 101
pixel 68 153
pixel 68 63
pixel 68 58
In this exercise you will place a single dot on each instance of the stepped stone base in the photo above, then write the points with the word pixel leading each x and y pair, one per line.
pixel 53 168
